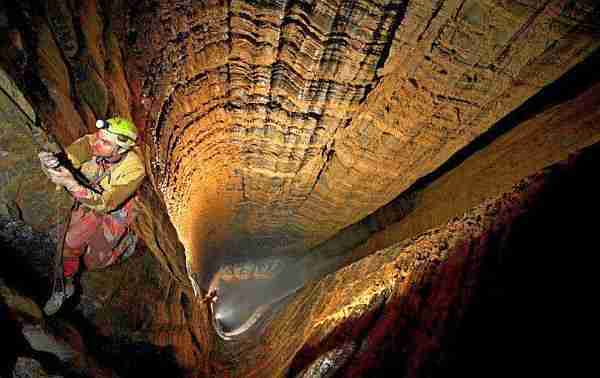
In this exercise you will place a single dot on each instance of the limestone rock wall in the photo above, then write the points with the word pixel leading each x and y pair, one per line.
pixel 276 124
pixel 137 309
pixel 269 126
pixel 244 98
pixel 25 192
pixel 558 122
pixel 544 139
pixel 407 313
pixel 62 63
pixel 455 68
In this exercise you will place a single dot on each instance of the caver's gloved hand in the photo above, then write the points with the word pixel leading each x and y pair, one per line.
pixel 49 161
pixel 63 177
pixel 57 174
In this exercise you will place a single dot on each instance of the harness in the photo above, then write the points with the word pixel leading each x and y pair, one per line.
pixel 106 168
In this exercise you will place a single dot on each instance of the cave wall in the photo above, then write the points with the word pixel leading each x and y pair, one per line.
pixel 276 124
pixel 454 69
pixel 63 63
pixel 557 122
pixel 492 276
pixel 548 137
pixel 271 126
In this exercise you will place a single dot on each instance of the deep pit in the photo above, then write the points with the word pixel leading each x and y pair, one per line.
pixel 363 185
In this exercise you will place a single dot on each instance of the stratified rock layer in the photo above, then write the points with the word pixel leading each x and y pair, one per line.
pixel 276 124
pixel 407 311
pixel 268 127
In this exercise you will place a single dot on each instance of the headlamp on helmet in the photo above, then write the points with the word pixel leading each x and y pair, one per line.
pixel 123 129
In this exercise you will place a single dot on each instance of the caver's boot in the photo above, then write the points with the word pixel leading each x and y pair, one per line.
pixel 43 340
pixel 243 292
pixel 59 297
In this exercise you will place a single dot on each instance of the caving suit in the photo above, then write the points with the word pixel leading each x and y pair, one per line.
pixel 99 227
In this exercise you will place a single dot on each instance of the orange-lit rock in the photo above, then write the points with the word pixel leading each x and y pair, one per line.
pixel 327 111
pixel 282 129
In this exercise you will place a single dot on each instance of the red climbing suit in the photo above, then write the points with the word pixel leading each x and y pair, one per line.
pixel 99 229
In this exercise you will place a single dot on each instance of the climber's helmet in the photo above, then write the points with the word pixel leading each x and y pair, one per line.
pixel 119 130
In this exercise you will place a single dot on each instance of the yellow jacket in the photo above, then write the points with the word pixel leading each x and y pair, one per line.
pixel 118 184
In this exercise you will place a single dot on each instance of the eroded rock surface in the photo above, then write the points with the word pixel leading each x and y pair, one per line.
pixel 39 347
pixel 270 126
pixel 276 124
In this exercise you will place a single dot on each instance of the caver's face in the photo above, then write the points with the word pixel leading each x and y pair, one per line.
pixel 102 146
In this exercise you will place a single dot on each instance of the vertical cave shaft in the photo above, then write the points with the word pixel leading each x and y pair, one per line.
pixel 277 134
pixel 276 124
